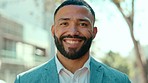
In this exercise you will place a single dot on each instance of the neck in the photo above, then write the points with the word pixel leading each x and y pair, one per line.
pixel 73 65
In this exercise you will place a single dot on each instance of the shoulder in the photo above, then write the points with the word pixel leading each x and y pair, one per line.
pixel 34 73
pixel 106 69
pixel 110 72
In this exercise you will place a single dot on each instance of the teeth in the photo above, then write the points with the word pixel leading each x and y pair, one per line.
pixel 72 42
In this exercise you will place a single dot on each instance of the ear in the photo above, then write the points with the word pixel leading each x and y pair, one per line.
pixel 53 30
pixel 94 32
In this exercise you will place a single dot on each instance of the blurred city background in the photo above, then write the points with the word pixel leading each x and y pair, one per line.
pixel 121 41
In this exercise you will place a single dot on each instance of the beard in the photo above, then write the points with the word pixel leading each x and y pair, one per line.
pixel 73 53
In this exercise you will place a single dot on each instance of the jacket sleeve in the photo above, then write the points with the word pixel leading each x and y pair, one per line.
pixel 17 80
pixel 126 79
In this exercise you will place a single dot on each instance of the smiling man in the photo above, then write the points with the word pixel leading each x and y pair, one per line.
pixel 73 31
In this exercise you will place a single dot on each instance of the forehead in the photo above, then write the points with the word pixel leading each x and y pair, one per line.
pixel 74 12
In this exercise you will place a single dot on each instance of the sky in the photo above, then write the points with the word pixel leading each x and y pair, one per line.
pixel 141 24
pixel 25 13
pixel 113 32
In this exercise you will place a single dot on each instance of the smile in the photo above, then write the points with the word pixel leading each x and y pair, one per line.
pixel 73 42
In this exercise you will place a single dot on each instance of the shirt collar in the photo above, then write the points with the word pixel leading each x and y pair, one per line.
pixel 60 66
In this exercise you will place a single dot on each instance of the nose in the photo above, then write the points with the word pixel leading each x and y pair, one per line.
pixel 73 30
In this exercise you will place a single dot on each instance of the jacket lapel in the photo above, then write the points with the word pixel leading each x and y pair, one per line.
pixel 50 75
pixel 98 74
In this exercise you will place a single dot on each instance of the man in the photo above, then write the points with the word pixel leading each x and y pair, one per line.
pixel 73 31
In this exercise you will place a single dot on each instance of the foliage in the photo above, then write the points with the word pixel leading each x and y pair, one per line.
pixel 141 63
pixel 118 62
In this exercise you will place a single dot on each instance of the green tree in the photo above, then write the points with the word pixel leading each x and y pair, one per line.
pixel 129 18
pixel 115 60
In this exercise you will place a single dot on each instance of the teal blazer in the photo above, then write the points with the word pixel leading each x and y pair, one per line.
pixel 47 73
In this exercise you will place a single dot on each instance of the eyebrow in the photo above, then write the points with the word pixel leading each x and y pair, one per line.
pixel 64 19
pixel 85 20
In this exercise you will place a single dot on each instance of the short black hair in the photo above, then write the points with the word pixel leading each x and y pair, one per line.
pixel 75 2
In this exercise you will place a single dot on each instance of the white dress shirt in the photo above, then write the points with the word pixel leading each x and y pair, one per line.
pixel 81 75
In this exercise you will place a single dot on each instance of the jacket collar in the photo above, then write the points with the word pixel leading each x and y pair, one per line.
pixel 98 74
pixel 50 75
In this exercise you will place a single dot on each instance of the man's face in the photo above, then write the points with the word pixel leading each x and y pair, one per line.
pixel 73 31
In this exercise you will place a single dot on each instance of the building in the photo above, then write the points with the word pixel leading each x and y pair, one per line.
pixel 17 54
pixel 25 38
pixel 10 34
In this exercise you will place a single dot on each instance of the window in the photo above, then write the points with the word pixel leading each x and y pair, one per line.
pixel 9 48
pixel 39 52
pixel 9 45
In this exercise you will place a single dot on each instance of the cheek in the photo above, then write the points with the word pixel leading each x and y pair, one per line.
pixel 59 32
pixel 87 32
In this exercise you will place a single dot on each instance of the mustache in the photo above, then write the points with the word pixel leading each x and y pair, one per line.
pixel 75 36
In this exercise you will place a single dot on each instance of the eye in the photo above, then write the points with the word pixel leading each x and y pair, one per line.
pixel 64 23
pixel 83 24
